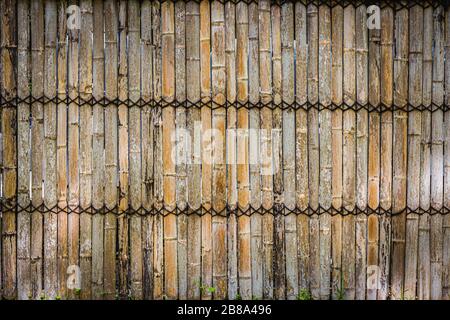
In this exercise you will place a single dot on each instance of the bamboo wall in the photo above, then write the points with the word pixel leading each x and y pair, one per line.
pixel 335 183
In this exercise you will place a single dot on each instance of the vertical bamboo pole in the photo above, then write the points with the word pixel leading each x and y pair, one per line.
pixel 158 241
pixel 147 147
pixel 414 137
pixel 254 153
pixel 399 153
pixel 23 151
pixel 349 154
pixel 181 152
pixel 301 144
pixel 288 94
pixel 337 20
pixel 373 183
pixel 194 167
pixel 37 137
pixel 8 10
pixel 313 148
pixel 206 150
pixel 61 142
pixel 362 44
pixel 325 195
pixel 86 135
pixel 266 145
pixel 244 246
pixel 230 65
pixel 437 153
pixel 123 219
pixel 168 120
pixel 110 14
pixel 387 36
pixel 135 155
pixel 98 160
pixel 219 168
pixel 50 193
pixel 279 234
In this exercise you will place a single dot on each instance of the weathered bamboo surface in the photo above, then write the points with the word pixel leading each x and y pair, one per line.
pixel 224 149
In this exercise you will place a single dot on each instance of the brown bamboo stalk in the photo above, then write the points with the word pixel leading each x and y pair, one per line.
pixel 325 193
pixel 279 234
pixel 37 137
pixel 244 245
pixel 362 44
pixel 50 193
pixel 98 160
pixel 8 11
pixel 230 65
pixel 254 153
pixel 414 137
pixel 206 150
pixel 194 168
pixel 266 145
pixel 301 152
pixel 349 154
pixel 387 36
pixel 23 150
pixel 181 152
pixel 111 197
pixel 86 135
pixel 437 153
pixel 168 119
pixel 337 20
pixel 134 86
pixel 61 142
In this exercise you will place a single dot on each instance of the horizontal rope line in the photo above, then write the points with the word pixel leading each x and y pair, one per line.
pixel 277 209
pixel 209 103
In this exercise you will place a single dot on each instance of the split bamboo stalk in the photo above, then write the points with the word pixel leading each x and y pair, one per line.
pixel 266 145
pixel 361 55
pixel 147 147
pixel 219 158
pixel 123 219
pixel 373 183
pixel 111 196
pixel 194 167
pixel 301 144
pixel 337 20
pixel 8 11
pixel 437 154
pixel 349 154
pixel 98 160
pixel 325 145
pixel 37 140
pixel 158 240
pixel 386 43
pixel 181 152
pixel 73 156
pixel 230 65
pixel 50 193
pixel 399 154
pixel 288 95
pixel 279 267
pixel 168 120
pixel 86 135
pixel 423 257
pixel 414 138
pixel 135 154
pixel 244 245
pixel 254 153
pixel 23 151
pixel 61 142
pixel 313 149
pixel 206 150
